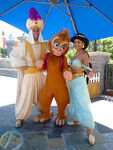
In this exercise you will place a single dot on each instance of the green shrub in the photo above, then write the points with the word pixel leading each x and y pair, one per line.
pixel 0 54
pixel 70 54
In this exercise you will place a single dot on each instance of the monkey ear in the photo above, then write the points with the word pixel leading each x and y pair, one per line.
pixel 49 45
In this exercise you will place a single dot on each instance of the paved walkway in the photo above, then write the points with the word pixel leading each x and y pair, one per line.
pixel 48 135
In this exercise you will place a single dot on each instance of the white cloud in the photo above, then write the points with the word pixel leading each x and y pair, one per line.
pixel 8 30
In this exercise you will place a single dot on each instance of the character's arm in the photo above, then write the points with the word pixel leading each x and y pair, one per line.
pixel 17 56
pixel 89 71
pixel 66 70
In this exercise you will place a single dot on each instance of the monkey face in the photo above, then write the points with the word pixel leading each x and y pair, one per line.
pixel 58 46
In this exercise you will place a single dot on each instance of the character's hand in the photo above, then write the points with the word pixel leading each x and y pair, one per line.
pixel 67 75
pixel 39 64
pixel 91 74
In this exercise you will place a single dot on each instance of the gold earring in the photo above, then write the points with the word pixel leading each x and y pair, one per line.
pixel 83 46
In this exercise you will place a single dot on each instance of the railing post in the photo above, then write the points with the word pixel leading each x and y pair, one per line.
pixel 112 76
pixel 109 77
pixel 108 85
pixel 106 74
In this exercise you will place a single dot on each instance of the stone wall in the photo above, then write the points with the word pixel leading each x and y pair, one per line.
pixel 98 60
pixel 6 68
pixel 5 63
pixel 11 43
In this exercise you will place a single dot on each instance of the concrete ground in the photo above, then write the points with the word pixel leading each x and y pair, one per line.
pixel 48 136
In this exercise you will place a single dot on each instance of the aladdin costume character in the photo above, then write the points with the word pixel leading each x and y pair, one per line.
pixel 57 74
pixel 30 79
pixel 79 108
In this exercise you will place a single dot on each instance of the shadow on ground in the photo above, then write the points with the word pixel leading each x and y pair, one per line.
pixel 48 136
pixel 7 121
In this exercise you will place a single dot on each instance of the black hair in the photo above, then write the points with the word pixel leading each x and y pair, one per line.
pixel 82 38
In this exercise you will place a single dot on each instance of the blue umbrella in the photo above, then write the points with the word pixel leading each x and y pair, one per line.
pixel 94 18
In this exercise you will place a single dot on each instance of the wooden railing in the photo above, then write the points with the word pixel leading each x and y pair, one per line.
pixel 94 86
pixel 96 78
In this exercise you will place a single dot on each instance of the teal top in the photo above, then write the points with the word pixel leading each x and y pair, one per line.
pixel 77 63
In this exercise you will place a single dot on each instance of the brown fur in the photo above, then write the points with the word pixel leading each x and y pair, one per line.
pixel 55 85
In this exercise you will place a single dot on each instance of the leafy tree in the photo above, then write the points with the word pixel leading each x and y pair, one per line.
pixel 103 45
pixel 3 53
pixel 70 54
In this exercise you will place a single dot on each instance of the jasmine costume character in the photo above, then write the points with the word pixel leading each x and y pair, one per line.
pixel 79 97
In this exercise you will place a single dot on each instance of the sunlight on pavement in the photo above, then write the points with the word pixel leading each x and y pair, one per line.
pixel 8 88
pixel 103 112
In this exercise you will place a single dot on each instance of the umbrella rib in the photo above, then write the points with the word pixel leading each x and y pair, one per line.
pixel 73 5
pixel 73 23
pixel 11 8
pixel 47 14
pixel 78 5
pixel 57 3
pixel 37 1
pixel 98 11
pixel 62 10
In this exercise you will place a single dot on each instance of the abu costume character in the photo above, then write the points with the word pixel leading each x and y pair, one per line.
pixel 30 79
pixel 57 74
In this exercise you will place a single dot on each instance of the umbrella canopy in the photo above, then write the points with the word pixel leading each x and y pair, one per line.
pixel 93 18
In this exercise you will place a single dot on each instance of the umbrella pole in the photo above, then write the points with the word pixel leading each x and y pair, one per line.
pixel 73 23
pixel 47 15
